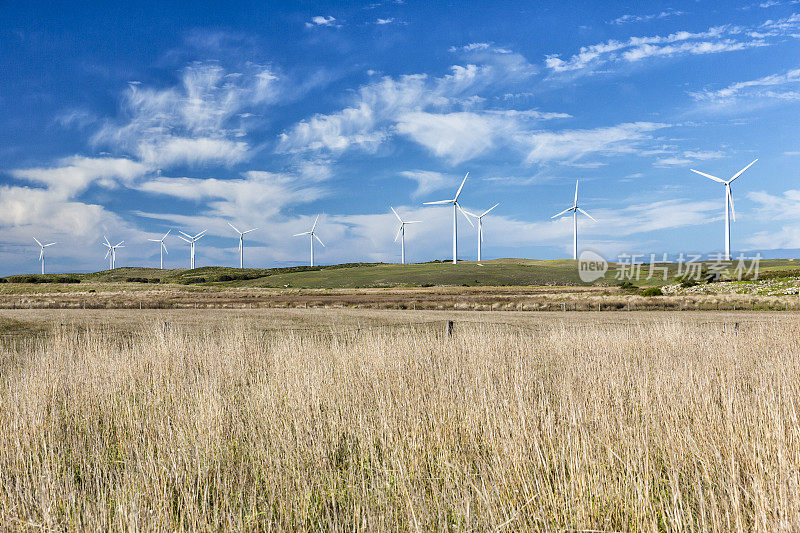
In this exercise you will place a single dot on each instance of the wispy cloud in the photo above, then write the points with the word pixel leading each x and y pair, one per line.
pixel 628 18
pixel 715 40
pixel 783 86
pixel 572 145
pixel 428 181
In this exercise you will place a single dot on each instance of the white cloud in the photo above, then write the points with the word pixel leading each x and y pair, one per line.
pixel 628 18
pixel 197 122
pixel 571 145
pixel 428 181
pixel 321 21
pixel 258 195
pixel 714 40
pixel 456 137
pixel 73 175
pixel 783 86
pixel 381 22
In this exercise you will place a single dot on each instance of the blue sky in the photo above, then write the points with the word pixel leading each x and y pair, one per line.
pixel 130 120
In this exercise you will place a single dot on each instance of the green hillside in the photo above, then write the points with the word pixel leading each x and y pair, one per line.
pixel 498 272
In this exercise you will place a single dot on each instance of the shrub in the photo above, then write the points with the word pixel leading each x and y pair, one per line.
pixel 652 291
pixel 628 286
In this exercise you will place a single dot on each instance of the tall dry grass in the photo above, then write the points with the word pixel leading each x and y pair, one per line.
pixel 677 425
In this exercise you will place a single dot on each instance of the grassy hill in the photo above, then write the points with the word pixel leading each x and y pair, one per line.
pixel 497 272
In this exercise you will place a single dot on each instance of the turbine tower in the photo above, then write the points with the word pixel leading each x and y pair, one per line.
pixel 191 240
pixel 728 204
pixel 41 251
pixel 574 210
pixel 111 254
pixel 162 248
pixel 479 218
pixel 401 232
pixel 241 242
pixel 312 235
pixel 454 201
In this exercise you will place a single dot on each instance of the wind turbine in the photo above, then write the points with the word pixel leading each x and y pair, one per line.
pixel 162 248
pixel 479 218
pixel 454 201
pixel 111 254
pixel 241 242
pixel 728 204
pixel 312 235
pixel 41 252
pixel 574 210
pixel 401 232
pixel 191 240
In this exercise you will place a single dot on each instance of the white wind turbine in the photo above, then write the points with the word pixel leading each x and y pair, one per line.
pixel 41 251
pixel 479 218
pixel 111 254
pixel 162 248
pixel 312 235
pixel 728 204
pixel 191 240
pixel 574 210
pixel 241 242
pixel 401 232
pixel 454 201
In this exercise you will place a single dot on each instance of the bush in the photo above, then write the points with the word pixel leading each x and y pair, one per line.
pixel 3 280
pixel 652 291
pixel 67 279
pixel 628 286
pixel 688 282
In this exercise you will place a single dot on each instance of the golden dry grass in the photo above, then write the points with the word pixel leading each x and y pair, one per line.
pixel 608 422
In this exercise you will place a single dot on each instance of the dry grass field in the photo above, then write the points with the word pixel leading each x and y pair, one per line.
pixel 377 420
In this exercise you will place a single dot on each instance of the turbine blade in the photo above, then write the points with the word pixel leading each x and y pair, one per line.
pixel 37 241
pixel 320 240
pixel 154 240
pixel 248 231
pixel 742 171
pixel 576 192
pixel 299 234
pixel 119 243
pixel 587 214
pixel 201 234
pixel 164 246
pixel 465 215
pixel 108 252
pixel 234 228
pixel 166 234
pixel 398 232
pixel 184 239
pixel 186 234
pixel 106 238
pixel 567 210
pixel 729 194
pixel 487 211
pixel 439 202
pixel 709 176
pixel 315 223
pixel 395 214
pixel 41 254
pixel 458 193
pixel 412 222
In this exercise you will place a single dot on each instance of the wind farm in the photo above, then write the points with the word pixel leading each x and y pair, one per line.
pixel 344 287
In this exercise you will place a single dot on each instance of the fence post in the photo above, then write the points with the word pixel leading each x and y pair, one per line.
pixel 448 328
